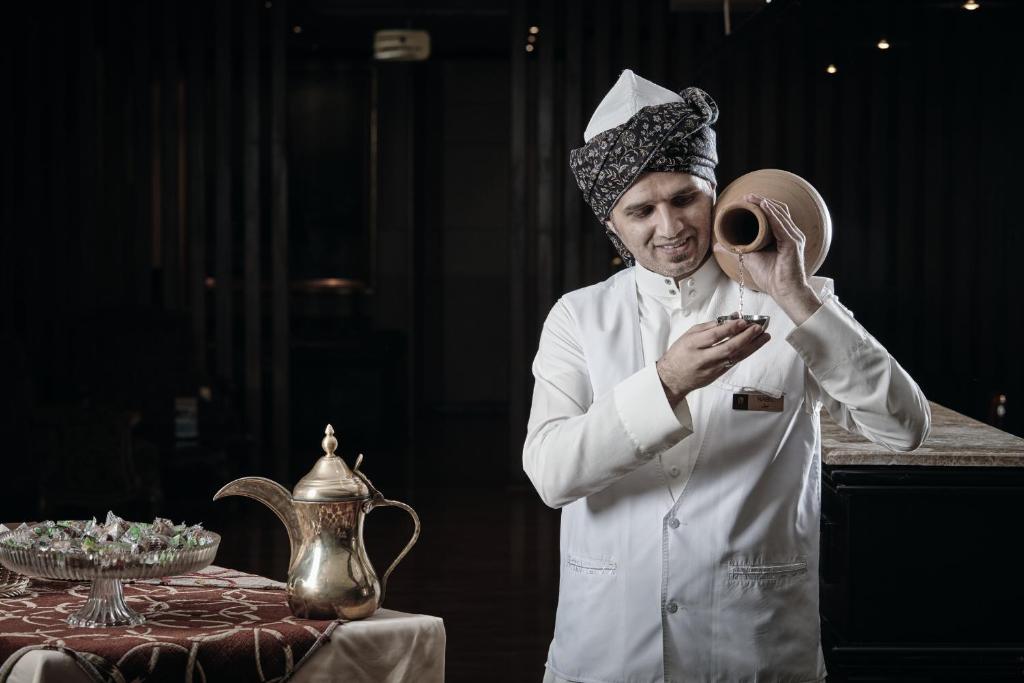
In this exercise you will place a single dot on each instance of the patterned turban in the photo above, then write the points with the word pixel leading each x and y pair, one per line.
pixel 667 136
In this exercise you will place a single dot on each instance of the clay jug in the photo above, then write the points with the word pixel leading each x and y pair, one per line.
pixel 742 227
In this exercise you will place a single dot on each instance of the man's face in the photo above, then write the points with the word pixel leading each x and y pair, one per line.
pixel 664 220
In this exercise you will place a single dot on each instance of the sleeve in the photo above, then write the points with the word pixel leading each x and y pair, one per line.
pixel 852 376
pixel 575 445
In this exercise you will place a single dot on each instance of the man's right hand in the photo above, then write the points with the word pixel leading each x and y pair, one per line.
pixel 697 358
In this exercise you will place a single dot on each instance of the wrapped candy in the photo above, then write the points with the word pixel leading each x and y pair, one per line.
pixel 115 536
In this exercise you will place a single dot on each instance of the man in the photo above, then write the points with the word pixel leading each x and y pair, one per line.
pixel 689 537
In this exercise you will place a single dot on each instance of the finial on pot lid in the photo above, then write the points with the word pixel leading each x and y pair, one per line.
pixel 330 479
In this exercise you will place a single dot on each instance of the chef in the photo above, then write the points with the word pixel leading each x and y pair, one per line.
pixel 685 455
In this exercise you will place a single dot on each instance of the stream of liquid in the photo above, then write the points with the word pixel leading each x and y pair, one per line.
pixel 742 284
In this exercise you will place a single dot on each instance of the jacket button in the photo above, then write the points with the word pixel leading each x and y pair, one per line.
pixel 672 608
pixel 674 471
pixel 674 523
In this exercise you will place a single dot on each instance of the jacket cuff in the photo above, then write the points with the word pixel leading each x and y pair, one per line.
pixel 828 338
pixel 650 421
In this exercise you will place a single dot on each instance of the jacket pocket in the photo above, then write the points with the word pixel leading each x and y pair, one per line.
pixel 767 621
pixel 578 564
pixel 767 574
pixel 589 642
pixel 775 371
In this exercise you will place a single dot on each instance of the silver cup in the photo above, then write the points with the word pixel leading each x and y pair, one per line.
pixel 761 320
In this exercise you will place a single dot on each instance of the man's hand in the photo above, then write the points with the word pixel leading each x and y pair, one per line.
pixel 697 358
pixel 779 272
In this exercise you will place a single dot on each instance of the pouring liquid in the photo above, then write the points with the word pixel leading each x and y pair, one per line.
pixel 742 284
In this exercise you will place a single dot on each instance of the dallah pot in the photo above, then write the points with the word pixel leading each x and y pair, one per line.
pixel 329 573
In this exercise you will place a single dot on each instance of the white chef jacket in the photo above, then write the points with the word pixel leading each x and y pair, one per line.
pixel 689 537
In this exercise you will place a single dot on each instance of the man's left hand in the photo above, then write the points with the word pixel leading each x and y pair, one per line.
pixel 779 272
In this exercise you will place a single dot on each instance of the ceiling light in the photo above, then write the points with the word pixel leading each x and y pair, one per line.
pixel 535 29
pixel 970 5
pixel 831 68
pixel 529 48
pixel 883 44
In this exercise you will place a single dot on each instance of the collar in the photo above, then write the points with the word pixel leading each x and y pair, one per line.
pixel 692 292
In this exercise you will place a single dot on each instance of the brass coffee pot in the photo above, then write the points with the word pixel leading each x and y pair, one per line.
pixel 329 574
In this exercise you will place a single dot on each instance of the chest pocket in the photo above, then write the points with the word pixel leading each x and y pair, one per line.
pixel 775 370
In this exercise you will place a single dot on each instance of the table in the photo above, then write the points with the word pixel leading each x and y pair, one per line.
pixel 955 441
pixel 217 624
pixel 919 552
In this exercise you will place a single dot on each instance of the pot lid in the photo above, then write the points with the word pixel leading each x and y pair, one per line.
pixel 330 479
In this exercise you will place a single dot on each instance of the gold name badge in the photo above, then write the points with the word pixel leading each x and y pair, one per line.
pixel 760 402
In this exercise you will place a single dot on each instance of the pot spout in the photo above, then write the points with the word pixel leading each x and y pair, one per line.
pixel 275 497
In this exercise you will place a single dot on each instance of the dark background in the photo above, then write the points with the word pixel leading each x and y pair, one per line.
pixel 232 202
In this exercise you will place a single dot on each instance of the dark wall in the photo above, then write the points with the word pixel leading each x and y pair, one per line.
pixel 913 148
pixel 152 244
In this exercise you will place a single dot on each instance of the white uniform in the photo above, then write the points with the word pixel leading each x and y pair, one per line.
pixel 689 537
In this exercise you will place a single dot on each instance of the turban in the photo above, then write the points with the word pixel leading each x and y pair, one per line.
pixel 641 127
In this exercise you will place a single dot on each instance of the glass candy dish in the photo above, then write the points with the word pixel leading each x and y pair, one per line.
pixel 12 585
pixel 106 570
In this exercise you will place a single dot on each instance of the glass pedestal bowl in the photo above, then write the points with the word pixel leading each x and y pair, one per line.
pixel 105 605
pixel 12 585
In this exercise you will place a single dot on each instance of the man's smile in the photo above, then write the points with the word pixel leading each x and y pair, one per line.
pixel 675 247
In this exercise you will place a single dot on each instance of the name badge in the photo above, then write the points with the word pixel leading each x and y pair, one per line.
pixel 757 401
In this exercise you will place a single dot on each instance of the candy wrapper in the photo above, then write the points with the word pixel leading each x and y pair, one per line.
pixel 114 536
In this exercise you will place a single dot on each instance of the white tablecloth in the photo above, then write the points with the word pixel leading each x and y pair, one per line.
pixel 389 647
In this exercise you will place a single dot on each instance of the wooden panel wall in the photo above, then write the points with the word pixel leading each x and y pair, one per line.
pixel 252 346
pixel 110 114
pixel 280 351
pixel 134 175
pixel 224 270
pixel 196 173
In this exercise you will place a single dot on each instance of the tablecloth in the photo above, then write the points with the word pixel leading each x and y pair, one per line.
pixel 214 625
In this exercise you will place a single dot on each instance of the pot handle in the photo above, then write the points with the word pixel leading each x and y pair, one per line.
pixel 380 501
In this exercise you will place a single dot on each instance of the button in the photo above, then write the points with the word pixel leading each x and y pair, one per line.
pixel 693 292
pixel 690 283
pixel 672 608
pixel 674 471
pixel 667 281
pixel 671 291
pixel 674 523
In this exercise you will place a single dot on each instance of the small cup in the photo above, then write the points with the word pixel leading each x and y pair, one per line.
pixel 761 320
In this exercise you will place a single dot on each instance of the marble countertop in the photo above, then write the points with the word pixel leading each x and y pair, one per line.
pixel 955 441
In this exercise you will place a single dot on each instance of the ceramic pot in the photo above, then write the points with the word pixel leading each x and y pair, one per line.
pixel 743 228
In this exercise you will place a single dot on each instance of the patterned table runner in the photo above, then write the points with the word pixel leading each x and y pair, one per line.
pixel 213 625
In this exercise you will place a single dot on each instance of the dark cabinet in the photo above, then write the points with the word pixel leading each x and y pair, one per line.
pixel 921 575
